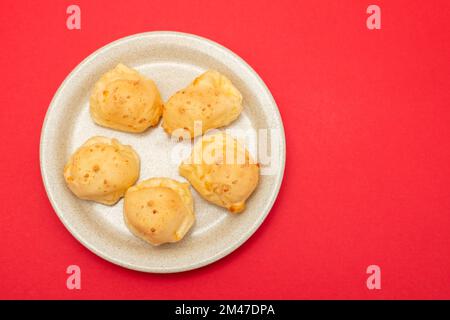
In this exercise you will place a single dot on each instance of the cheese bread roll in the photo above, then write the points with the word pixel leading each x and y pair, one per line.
pixel 222 171
pixel 125 100
pixel 159 210
pixel 210 99
pixel 102 170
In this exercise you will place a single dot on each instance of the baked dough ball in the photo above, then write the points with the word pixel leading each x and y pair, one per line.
pixel 125 100
pixel 222 171
pixel 159 210
pixel 102 170
pixel 211 98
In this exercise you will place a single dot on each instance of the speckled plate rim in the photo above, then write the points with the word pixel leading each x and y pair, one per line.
pixel 195 265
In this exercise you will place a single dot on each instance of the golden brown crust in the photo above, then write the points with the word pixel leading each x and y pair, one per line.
pixel 125 100
pixel 159 210
pixel 226 181
pixel 101 170
pixel 211 98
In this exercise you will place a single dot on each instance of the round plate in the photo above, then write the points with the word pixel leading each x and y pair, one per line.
pixel 172 60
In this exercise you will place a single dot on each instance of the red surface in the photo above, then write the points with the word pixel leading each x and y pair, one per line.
pixel 367 120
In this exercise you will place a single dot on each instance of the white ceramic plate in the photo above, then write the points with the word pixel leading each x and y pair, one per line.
pixel 172 60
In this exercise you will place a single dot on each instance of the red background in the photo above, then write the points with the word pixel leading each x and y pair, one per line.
pixel 367 120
